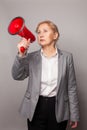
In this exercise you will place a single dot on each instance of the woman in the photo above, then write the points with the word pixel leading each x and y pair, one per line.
pixel 51 98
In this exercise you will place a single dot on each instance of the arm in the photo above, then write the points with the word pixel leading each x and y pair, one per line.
pixel 73 97
pixel 20 67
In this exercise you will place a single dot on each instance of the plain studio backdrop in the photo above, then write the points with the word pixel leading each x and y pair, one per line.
pixel 71 18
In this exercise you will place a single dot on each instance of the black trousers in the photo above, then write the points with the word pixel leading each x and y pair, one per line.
pixel 44 116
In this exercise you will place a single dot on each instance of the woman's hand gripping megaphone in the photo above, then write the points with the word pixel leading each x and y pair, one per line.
pixel 24 43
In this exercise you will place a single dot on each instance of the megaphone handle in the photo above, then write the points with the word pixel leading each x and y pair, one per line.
pixel 22 49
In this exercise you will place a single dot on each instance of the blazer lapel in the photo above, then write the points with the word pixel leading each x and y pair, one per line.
pixel 37 68
pixel 60 68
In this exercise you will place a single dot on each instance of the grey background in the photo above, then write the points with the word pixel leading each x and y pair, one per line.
pixel 71 19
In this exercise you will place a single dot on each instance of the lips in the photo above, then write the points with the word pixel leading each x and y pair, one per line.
pixel 42 40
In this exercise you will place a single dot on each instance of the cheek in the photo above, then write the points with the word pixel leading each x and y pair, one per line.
pixel 38 38
pixel 51 36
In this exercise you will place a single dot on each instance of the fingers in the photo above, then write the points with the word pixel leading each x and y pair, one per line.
pixel 74 124
pixel 24 43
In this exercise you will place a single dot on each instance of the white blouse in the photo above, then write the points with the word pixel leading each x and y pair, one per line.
pixel 49 75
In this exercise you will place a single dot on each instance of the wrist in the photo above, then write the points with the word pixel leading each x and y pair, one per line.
pixel 22 55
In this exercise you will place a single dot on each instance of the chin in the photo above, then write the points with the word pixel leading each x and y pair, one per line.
pixel 42 44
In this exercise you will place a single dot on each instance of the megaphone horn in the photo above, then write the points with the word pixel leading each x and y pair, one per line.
pixel 17 27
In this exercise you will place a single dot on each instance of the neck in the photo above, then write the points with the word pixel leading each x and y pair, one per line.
pixel 49 50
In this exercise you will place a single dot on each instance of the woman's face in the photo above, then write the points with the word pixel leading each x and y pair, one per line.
pixel 45 35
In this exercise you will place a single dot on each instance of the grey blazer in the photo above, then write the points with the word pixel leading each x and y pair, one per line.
pixel 66 105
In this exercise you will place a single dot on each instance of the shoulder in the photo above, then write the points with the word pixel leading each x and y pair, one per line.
pixel 65 53
pixel 33 54
pixel 68 56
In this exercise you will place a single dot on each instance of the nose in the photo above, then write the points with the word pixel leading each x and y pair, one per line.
pixel 41 35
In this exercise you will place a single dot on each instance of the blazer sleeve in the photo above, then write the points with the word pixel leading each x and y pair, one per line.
pixel 72 91
pixel 20 68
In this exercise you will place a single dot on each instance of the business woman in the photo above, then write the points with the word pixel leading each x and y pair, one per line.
pixel 51 97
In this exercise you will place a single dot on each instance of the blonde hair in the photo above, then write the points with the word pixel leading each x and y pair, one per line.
pixel 51 25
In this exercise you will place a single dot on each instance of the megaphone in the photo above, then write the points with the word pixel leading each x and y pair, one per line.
pixel 17 27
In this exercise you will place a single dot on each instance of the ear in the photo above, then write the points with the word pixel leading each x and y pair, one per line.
pixel 55 35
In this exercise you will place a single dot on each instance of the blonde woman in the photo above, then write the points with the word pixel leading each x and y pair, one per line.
pixel 51 98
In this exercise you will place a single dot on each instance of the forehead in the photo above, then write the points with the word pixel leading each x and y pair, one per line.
pixel 44 25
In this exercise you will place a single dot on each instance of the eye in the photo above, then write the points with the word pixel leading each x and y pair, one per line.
pixel 38 32
pixel 45 30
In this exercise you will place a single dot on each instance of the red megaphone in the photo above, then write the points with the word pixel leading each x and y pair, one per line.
pixel 17 26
